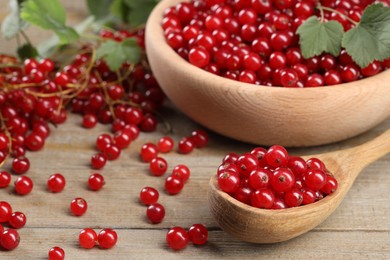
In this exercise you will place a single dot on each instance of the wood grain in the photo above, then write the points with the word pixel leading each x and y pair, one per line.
pixel 359 228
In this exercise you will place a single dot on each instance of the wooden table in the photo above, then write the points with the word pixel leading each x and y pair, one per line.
pixel 359 228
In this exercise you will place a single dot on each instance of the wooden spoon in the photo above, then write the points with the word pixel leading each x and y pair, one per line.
pixel 269 226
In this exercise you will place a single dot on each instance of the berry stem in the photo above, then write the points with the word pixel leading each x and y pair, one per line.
pixel 324 8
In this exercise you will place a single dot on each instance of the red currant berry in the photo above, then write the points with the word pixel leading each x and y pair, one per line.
pixel 155 212
pixel 107 238
pixel 199 56
pixel 228 181
pixel 200 138
pixel 96 181
pixel 17 220
pixel 282 180
pixel 297 165
pixel 259 178
pixel 198 234
pixel 90 120
pixel 277 156
pixel 20 165
pixel 9 239
pixel 102 141
pixel 165 144
pixel 112 152
pixel 87 238
pixel 98 161
pixel 293 198
pixel 158 166
pixel 263 198
pixel 149 151
pixel 181 171
pixel 186 145
pixel 173 184
pixel 330 185
pixel 56 253
pixel 308 196
pixel 23 185
pixel 78 206
pixel 5 179
pixel 177 238
pixel 149 195
pixel 56 182
pixel 5 211
pixel 315 179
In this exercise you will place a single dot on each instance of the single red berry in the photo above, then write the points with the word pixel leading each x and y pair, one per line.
pixel 186 145
pixel 122 139
pixel 5 179
pixel 200 138
pixel 78 206
pixel 228 181
pixel 263 198
pixel 282 180
pixel 103 140
pixel 149 151
pixel 56 253
pixel 56 182
pixel 112 152
pixel 23 185
pixel 20 165
pixel 259 178
pixel 181 171
pixel 90 120
pixel 98 161
pixel 315 179
pixel 174 184
pixel 308 196
pixel 107 238
pixel 165 144
pixel 293 198
pixel 149 195
pixel 330 185
pixel 9 239
pixel 87 238
pixel 279 204
pixel 177 238
pixel 247 163
pixel 198 234
pixel 297 165
pixel 315 163
pixel 17 220
pixel 96 181
pixel 5 211
pixel 155 212
pixel 158 166
pixel 277 156
pixel 243 194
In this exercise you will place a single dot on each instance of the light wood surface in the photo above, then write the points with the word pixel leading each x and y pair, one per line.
pixel 266 115
pixel 269 226
pixel 358 229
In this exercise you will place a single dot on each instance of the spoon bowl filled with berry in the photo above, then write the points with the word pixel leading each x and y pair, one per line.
pixel 267 196
pixel 269 72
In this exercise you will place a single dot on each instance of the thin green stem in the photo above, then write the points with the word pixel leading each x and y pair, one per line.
pixel 322 8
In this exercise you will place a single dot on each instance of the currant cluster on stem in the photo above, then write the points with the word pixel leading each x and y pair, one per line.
pixel 177 237
pixel 272 179
pixel 9 237
pixel 255 41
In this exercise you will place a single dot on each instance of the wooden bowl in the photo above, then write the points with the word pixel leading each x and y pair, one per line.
pixel 265 115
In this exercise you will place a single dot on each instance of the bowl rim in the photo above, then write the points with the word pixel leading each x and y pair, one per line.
pixel 154 24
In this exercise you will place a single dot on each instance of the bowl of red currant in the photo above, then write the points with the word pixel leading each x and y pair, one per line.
pixel 288 72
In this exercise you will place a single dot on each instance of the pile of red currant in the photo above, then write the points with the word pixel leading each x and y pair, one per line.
pixel 271 179
pixel 9 237
pixel 255 41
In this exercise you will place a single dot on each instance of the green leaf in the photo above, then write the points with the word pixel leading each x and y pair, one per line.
pixel 12 23
pixel 370 39
pixel 139 11
pixel 317 37
pixel 119 9
pixel 27 51
pixel 100 9
pixel 49 14
pixel 116 53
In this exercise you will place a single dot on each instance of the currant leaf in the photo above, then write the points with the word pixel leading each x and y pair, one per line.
pixel 139 11
pixel 49 14
pixel 99 9
pixel 116 53
pixel 27 51
pixel 370 39
pixel 12 23
pixel 317 37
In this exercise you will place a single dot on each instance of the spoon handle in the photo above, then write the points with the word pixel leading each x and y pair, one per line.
pixel 364 154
